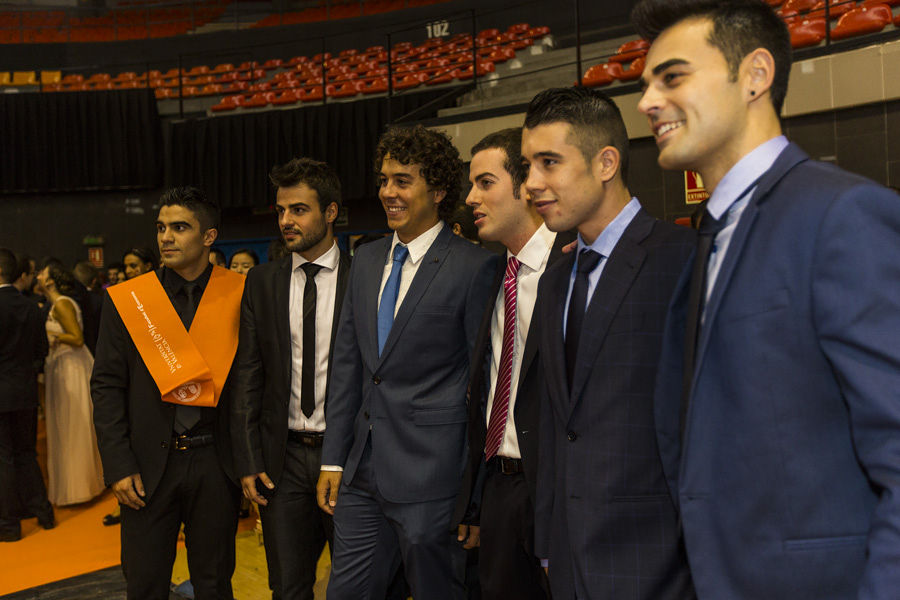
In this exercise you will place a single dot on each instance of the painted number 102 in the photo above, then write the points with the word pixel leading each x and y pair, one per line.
pixel 438 29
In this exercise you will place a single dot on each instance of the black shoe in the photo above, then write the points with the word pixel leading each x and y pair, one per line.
pixel 47 521
pixel 10 536
pixel 111 519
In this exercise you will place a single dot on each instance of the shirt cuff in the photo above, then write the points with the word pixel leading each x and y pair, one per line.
pixel 545 563
pixel 332 468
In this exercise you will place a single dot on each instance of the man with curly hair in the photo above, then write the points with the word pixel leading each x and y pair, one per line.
pixel 395 446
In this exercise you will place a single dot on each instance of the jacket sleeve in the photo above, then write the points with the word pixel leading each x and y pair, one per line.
pixel 857 314
pixel 109 392
pixel 247 389
pixel 544 493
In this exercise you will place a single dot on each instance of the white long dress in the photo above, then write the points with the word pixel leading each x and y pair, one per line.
pixel 73 461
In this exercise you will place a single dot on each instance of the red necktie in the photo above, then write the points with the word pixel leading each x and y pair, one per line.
pixel 500 407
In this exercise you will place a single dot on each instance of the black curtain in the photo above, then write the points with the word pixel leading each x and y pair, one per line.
pixel 80 141
pixel 230 156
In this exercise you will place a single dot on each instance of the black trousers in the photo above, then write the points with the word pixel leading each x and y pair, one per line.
pixel 507 566
pixel 21 483
pixel 194 490
pixel 295 529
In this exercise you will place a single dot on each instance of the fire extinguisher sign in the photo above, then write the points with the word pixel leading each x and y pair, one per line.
pixel 694 192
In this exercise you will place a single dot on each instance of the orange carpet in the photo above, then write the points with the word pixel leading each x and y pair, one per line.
pixel 78 544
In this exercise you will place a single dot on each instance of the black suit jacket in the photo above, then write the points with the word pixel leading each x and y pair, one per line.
pixel 134 426
pixel 262 371
pixel 526 413
pixel 604 517
pixel 23 345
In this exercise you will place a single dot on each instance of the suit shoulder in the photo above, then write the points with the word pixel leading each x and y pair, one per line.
pixel 266 270
pixel 469 252
pixel 672 233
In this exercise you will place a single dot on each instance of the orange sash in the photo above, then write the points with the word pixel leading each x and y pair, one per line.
pixel 189 368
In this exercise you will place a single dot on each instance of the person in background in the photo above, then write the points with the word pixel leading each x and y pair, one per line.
pixel 462 223
pixel 138 261
pixel 217 258
pixel 23 345
pixel 243 260
pixel 115 273
pixel 73 461
pixel 91 301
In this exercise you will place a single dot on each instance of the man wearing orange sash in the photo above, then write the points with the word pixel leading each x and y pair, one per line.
pixel 167 341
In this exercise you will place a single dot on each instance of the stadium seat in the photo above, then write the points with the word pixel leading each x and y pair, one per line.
pixel 50 77
pixel 342 90
pixel 466 72
pixel 285 97
pixel 228 103
pixel 24 78
pixel 408 80
pixel 888 2
pixel 162 92
pixel 210 89
pixel 518 28
pixel 374 85
pixel 72 78
pixel 798 5
pixel 836 8
pixel 223 68
pixel 629 51
pixel 259 100
pixel 807 32
pixel 194 71
pixel 862 20
pixel 597 75
pixel 99 77
pixel 632 73
pixel 310 94
pixel 5 79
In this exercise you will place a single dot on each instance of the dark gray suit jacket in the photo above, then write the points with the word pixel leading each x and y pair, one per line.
pixel 412 398
pixel 604 517
pixel 23 345
pixel 262 367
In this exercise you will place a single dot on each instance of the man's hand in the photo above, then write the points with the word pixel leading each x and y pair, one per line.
pixel 250 491
pixel 327 490
pixel 570 247
pixel 472 532
pixel 129 491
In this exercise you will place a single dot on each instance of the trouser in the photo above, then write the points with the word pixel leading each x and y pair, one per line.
pixel 194 490
pixel 295 529
pixel 21 482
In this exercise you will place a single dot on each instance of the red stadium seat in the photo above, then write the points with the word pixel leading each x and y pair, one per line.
pixel 408 80
pixel 162 93
pixel 285 97
pixel 629 51
pixel 310 94
pixel 888 2
pixel 439 75
pixel 259 100
pixel 862 20
pixel 228 103
pixel 342 90
pixel 518 28
pixel 223 68
pixel 807 32
pixel 210 89
pixel 374 85
pixel 466 72
pixel 836 8
pixel 632 73
pixel 798 5
pixel 597 75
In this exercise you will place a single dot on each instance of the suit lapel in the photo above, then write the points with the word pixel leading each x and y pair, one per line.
pixel 554 361
pixel 619 273
pixel 283 316
pixel 431 263
pixel 789 158
pixel 341 287
pixel 371 288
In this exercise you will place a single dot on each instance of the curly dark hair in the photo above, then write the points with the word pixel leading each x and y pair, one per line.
pixel 433 152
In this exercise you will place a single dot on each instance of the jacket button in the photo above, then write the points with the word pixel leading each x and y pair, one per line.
pixel 164 444
pixel 572 436
pixel 376 379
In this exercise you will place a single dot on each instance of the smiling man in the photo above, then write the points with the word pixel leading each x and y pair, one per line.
pixel 496 503
pixel 289 314
pixel 395 444
pixel 604 518
pixel 777 410
pixel 167 341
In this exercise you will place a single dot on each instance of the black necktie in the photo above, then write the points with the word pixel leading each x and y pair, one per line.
pixel 709 228
pixel 308 371
pixel 587 262
pixel 187 416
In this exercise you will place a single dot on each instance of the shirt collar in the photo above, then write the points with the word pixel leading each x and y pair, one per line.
pixel 609 237
pixel 536 249
pixel 328 260
pixel 173 282
pixel 743 174
pixel 419 246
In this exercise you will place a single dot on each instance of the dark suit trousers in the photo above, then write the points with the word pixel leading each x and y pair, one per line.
pixel 194 490
pixel 371 535
pixel 507 566
pixel 295 529
pixel 21 482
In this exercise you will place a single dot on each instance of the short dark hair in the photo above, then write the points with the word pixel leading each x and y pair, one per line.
pixel 9 266
pixel 246 251
pixel 85 272
pixel 26 264
pixel 738 28
pixel 464 216
pixel 435 154
pixel 595 119
pixel 510 141
pixel 195 200
pixel 220 256
pixel 319 176
pixel 143 255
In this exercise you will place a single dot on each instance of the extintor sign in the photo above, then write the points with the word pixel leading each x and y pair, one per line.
pixel 694 192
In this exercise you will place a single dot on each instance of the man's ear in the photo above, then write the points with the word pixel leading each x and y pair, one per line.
pixel 209 236
pixel 439 196
pixel 331 213
pixel 757 73
pixel 605 164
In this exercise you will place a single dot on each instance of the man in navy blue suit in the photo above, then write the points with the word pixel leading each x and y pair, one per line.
pixel 603 515
pixel 395 446
pixel 777 399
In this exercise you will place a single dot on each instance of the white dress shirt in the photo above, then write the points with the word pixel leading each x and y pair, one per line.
pixel 533 256
pixel 326 290
pixel 417 249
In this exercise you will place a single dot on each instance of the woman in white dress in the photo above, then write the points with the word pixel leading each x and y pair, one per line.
pixel 73 461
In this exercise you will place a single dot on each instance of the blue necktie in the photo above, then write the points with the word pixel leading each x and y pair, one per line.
pixel 389 296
